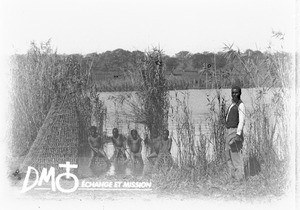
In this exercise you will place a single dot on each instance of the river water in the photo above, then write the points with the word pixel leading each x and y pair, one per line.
pixel 197 101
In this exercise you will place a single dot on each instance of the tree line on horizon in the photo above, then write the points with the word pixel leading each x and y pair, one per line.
pixel 121 60
pixel 224 68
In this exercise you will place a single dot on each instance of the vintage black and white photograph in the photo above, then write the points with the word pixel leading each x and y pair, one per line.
pixel 149 104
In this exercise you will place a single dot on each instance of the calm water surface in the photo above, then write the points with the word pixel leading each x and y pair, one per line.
pixel 120 115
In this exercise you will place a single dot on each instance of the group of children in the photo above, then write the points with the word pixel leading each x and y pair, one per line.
pixel 132 145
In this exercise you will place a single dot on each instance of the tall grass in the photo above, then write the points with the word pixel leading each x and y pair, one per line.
pixel 33 89
pixel 216 119
pixel 39 77
pixel 185 131
pixel 200 163
pixel 99 112
pixel 150 103
pixel 268 137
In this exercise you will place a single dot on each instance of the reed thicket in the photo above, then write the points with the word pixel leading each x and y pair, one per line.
pixel 150 103
pixel 33 78
pixel 40 76
pixel 200 159
pixel 267 134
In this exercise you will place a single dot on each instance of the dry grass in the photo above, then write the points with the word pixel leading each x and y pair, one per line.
pixel 197 169
pixel 150 103
pixel 33 90
pixel 40 78
pixel 267 139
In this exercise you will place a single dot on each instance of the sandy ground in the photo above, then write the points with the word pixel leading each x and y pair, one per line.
pixel 12 198
pixel 35 199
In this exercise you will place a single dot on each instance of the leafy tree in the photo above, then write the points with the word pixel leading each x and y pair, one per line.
pixel 184 58
pixel 199 59
pixel 183 55
pixel 171 63
pixel 137 56
pixel 220 60
pixel 117 60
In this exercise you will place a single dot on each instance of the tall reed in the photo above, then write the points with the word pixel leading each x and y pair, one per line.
pixel 267 138
pixel 38 77
pixel 185 131
pixel 149 104
pixel 33 90
pixel 200 159
pixel 216 119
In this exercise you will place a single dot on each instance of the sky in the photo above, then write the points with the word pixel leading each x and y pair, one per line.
pixel 172 25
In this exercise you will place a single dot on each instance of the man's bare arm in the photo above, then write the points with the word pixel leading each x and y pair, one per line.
pixel 107 139
pixel 170 145
pixel 92 147
pixel 140 145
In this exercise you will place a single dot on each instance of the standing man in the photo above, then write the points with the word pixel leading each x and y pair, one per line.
pixel 235 121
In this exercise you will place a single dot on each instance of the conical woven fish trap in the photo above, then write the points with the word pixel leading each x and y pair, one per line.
pixel 58 138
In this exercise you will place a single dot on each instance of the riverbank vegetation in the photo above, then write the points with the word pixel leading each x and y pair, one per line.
pixel 268 145
pixel 199 163
pixel 184 70
pixel 189 71
pixel 38 79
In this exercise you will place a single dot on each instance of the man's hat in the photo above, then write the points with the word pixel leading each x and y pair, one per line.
pixel 237 88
